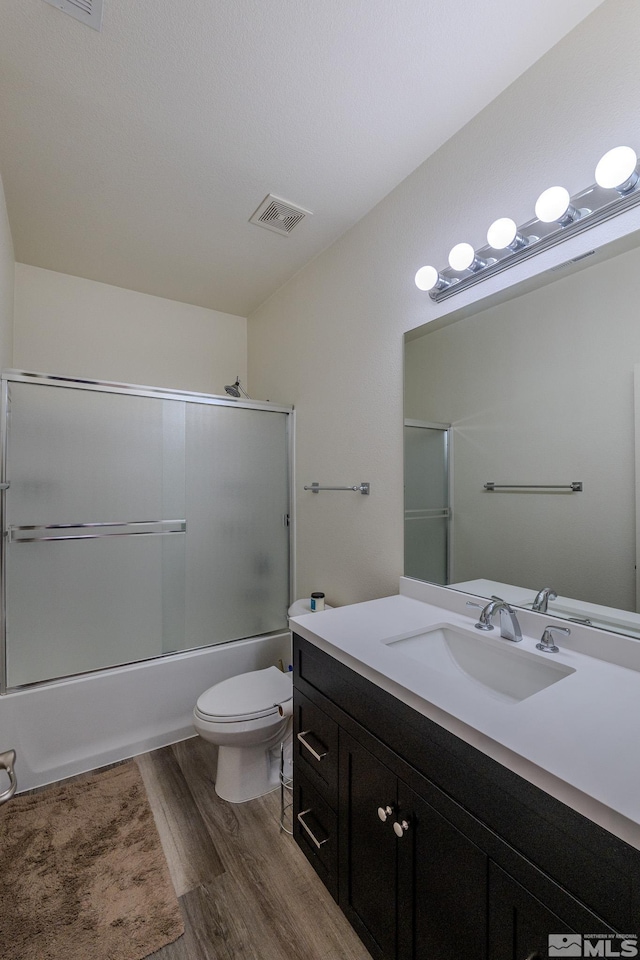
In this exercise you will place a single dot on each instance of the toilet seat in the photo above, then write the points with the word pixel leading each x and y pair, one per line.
pixel 248 696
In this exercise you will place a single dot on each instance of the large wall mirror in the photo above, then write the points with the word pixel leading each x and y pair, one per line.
pixel 533 394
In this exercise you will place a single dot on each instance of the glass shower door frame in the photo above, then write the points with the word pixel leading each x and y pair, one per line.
pixel 144 529
pixel 446 513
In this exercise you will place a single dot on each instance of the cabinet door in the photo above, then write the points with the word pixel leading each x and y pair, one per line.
pixel 442 886
pixel 368 847
pixel 519 925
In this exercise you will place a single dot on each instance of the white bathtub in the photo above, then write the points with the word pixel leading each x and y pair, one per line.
pixel 68 727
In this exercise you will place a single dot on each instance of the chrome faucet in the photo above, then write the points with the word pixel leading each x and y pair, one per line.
pixel 509 626
pixel 542 599
pixel 548 644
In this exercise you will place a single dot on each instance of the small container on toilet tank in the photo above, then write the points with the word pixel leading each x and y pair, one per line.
pixel 317 602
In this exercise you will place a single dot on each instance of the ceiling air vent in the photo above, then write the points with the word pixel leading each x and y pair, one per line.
pixel 86 11
pixel 278 215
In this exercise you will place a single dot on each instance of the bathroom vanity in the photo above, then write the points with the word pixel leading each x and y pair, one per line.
pixel 453 816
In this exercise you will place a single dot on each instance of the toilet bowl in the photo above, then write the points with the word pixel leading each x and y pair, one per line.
pixel 241 716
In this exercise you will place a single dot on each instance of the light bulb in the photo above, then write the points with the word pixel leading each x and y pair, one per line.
pixel 616 170
pixel 461 256
pixel 464 257
pixel 426 278
pixel 502 233
pixel 554 205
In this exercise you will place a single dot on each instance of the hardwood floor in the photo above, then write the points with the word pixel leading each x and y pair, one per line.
pixel 245 889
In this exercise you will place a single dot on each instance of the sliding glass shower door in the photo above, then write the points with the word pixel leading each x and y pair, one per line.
pixel 237 493
pixel 137 524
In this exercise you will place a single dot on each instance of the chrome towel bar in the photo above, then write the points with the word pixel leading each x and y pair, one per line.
pixel 360 488
pixel 575 487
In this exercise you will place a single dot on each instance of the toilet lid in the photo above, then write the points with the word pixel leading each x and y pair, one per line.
pixel 254 694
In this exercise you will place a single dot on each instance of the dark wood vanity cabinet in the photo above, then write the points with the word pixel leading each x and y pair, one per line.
pixel 411 884
pixel 432 850
pixel 520 924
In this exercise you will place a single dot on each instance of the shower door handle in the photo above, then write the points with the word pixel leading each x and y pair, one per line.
pixel 7 760
pixel 93 531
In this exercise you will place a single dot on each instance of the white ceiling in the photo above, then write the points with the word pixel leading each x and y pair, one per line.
pixel 136 156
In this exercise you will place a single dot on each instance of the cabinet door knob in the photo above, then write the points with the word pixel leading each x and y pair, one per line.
pixel 401 828
pixel 385 812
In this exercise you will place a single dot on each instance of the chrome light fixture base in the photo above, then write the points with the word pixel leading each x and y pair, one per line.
pixel 595 205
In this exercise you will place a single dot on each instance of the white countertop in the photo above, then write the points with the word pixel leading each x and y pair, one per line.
pixel 577 739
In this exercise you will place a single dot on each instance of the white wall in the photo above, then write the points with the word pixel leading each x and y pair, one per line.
pixel 73 327
pixel 6 285
pixel 330 340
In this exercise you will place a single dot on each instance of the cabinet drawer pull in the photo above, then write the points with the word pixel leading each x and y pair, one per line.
pixel 400 828
pixel 385 812
pixel 317 842
pixel 314 754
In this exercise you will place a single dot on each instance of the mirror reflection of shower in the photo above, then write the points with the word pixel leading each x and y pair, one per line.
pixel 427 513
pixel 236 390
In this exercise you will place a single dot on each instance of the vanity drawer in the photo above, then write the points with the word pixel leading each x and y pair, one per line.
pixel 315 828
pixel 316 746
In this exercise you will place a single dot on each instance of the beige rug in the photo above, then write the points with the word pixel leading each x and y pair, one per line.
pixel 82 873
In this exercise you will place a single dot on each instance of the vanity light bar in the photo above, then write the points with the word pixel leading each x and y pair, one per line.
pixel 557 217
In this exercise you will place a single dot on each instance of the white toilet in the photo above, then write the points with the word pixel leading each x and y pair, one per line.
pixel 241 715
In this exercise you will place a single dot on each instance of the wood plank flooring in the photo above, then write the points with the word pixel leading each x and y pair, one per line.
pixel 245 889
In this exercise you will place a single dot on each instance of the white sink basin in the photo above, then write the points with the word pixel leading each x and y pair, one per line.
pixel 498 667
